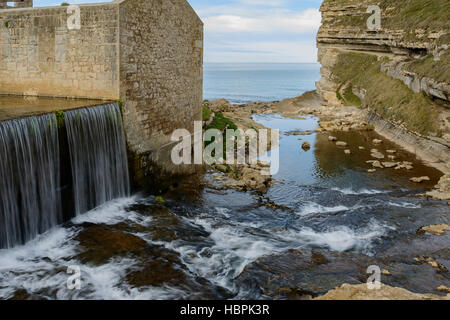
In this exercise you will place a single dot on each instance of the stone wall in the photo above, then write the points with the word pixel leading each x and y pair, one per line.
pixel 149 54
pixel 161 74
pixel 39 55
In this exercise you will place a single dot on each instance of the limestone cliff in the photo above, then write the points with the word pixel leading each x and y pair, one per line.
pixel 399 73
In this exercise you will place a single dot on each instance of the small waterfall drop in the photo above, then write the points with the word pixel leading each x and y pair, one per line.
pixel 29 178
pixel 98 155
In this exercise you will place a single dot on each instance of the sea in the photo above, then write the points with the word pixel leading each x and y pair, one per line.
pixel 246 82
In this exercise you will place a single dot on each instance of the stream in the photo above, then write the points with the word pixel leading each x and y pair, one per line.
pixel 333 219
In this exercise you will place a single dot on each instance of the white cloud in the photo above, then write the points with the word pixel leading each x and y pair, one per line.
pixel 307 21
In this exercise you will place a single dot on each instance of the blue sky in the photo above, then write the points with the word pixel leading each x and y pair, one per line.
pixel 253 30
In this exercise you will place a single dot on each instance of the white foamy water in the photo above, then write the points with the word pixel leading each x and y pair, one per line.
pixel 312 208
pixel 41 264
pixel 350 191
pixel 342 238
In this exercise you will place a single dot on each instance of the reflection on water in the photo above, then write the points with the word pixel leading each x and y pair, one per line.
pixel 204 238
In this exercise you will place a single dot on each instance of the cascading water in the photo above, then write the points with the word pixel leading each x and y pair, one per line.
pixel 29 178
pixel 98 156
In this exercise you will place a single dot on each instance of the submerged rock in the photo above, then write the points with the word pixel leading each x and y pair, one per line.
pixel 100 243
pixel 341 144
pixel 306 146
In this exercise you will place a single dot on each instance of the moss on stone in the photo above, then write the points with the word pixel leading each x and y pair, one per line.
pixel 60 117
pixel 206 113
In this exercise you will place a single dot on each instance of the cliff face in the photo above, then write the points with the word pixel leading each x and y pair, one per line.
pixel 399 73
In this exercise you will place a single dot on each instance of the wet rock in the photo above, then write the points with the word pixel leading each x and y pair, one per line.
pixel 432 262
pixel 437 230
pixel 377 141
pixel 306 146
pixel 391 157
pixel 389 164
pixel 331 138
pixel 404 165
pixel 305 272
pixel 385 272
pixel 341 144
pixel 376 154
pixel 391 151
pixel 361 148
pixel 420 179
pixel 443 288
pixel 159 267
pixel 372 170
pixel 362 292
pixel 442 189
pixel 377 164
pixel 347 151
pixel 100 243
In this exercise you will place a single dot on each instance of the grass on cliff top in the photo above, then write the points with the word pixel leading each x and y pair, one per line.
pixel 397 14
pixel 428 67
pixel 389 97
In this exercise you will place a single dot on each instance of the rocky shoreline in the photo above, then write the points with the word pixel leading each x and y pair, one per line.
pixel 332 120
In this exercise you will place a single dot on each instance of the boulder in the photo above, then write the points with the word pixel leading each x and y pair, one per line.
pixel 306 146
pixel 420 179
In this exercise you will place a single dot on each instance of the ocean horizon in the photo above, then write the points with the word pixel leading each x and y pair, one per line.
pixel 246 82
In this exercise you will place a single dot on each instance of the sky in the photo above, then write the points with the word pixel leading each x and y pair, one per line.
pixel 253 30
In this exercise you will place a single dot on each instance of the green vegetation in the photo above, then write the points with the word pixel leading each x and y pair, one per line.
pixel 65 4
pixel 160 199
pixel 221 123
pixel 350 97
pixel 428 67
pixel 389 97
pixel 6 24
pixel 206 113
pixel 60 117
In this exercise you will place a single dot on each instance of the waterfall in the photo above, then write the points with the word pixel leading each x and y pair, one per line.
pixel 98 155
pixel 29 178
pixel 36 172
